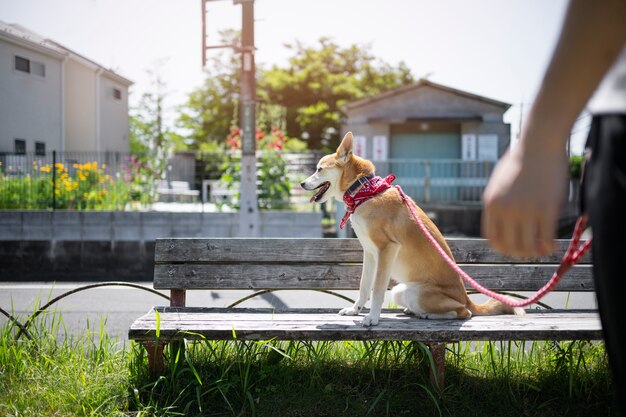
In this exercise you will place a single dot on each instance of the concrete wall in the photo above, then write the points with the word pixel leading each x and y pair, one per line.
pixel 101 246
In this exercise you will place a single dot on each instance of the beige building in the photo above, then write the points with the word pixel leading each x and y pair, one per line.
pixel 426 120
pixel 440 142
pixel 52 98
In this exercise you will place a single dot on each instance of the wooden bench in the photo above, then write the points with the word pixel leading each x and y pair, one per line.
pixel 335 264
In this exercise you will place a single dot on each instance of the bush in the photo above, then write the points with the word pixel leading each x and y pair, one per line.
pixel 273 183
pixel 576 166
pixel 88 186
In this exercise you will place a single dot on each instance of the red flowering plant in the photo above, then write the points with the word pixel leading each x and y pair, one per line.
pixel 274 186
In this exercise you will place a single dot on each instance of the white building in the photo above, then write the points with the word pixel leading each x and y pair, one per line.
pixel 52 98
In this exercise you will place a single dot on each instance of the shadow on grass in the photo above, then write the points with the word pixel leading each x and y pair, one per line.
pixel 379 379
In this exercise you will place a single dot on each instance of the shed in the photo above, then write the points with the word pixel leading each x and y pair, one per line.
pixel 439 141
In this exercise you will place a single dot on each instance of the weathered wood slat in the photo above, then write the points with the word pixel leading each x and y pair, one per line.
pixel 324 324
pixel 341 276
pixel 314 250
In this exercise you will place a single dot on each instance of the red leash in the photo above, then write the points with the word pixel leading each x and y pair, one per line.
pixel 573 254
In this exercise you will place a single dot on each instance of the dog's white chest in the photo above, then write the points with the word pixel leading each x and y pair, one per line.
pixel 360 226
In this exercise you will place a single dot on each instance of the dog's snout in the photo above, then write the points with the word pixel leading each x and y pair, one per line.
pixel 302 184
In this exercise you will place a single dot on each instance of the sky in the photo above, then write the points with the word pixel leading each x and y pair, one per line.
pixel 494 48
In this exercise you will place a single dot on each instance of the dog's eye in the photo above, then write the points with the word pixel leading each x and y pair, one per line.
pixel 319 169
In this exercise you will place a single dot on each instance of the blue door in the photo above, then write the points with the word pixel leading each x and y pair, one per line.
pixel 426 164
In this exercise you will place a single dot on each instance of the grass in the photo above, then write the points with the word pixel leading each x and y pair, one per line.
pixel 93 375
pixel 55 375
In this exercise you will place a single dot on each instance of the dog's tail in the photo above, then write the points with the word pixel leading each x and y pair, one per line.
pixel 494 307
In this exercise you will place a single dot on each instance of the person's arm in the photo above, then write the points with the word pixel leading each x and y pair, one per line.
pixel 524 193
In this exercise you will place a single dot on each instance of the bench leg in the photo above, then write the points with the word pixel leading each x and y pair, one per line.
pixel 155 357
pixel 437 375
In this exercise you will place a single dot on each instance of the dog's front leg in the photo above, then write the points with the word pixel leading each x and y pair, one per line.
pixel 365 286
pixel 386 258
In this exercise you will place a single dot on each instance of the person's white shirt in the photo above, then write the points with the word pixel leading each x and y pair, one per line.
pixel 610 96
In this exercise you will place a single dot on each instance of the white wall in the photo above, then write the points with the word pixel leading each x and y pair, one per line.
pixel 80 107
pixel 114 124
pixel 70 108
pixel 30 105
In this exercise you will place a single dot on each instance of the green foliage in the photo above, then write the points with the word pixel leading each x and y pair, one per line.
pixel 576 166
pixel 378 378
pixel 273 182
pixel 56 374
pixel 212 109
pixel 150 139
pixel 319 79
pixel 294 145
pixel 304 96
pixel 88 186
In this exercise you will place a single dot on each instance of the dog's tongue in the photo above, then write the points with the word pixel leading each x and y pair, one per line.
pixel 312 200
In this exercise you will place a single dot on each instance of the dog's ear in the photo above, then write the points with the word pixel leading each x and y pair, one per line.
pixel 344 151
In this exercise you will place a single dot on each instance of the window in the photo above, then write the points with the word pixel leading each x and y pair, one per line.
pixel 40 148
pixel 117 94
pixel 30 67
pixel 22 64
pixel 20 147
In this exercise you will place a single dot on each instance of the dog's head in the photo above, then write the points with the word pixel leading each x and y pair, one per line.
pixel 336 172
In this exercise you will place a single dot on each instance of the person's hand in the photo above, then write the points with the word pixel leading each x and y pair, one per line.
pixel 522 202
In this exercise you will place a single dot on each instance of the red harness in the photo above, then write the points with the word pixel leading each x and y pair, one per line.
pixel 370 187
pixel 574 253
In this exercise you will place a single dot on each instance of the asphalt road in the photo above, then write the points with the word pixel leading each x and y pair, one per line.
pixel 118 307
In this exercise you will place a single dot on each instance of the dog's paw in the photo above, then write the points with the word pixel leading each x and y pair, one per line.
pixel 349 311
pixel 369 320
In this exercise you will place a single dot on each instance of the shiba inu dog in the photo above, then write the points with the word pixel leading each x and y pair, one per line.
pixel 393 245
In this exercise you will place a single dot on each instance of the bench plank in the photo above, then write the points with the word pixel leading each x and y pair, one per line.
pixel 346 276
pixel 325 324
pixel 278 250
pixel 336 264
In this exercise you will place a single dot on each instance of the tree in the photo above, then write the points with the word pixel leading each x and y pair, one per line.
pixel 212 109
pixel 303 99
pixel 150 139
pixel 319 80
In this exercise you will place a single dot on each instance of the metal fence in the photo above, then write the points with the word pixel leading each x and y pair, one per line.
pixel 123 181
pixel 75 180
pixel 440 180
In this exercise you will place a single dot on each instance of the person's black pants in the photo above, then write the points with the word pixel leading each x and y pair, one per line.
pixel 604 185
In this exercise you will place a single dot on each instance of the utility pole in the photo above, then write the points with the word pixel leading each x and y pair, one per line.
pixel 248 203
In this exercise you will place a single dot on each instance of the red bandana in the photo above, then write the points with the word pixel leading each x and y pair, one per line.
pixel 374 186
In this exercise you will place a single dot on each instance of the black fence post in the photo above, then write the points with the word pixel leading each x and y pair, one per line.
pixel 54 180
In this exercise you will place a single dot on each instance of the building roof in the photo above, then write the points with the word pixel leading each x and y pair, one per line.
pixel 415 86
pixel 25 36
